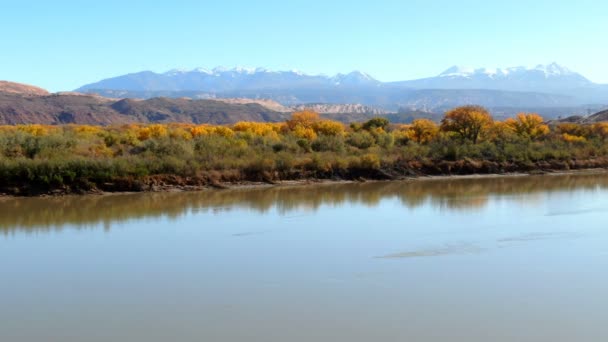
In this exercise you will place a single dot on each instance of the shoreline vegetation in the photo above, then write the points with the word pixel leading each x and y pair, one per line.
pixel 79 159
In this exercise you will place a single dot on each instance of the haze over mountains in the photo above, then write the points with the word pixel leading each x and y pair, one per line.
pixel 542 86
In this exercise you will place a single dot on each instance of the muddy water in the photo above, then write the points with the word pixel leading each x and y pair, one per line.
pixel 504 259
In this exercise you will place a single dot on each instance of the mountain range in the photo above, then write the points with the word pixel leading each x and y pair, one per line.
pixel 541 86
pixel 541 78
pixel 222 96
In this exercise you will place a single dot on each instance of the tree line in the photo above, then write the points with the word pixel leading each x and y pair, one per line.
pixel 305 146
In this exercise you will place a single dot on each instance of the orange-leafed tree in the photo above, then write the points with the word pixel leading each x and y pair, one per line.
pixel 423 131
pixel 261 129
pixel 152 131
pixel 329 127
pixel 305 133
pixel 572 129
pixel 528 125
pixel 200 130
pixel 468 122
pixel 304 119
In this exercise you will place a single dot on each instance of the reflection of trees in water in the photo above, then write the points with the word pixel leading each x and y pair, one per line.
pixel 450 194
pixel 474 193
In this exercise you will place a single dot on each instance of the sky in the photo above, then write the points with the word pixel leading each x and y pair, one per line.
pixel 62 45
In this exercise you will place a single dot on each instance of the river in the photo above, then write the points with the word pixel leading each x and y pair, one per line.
pixel 488 259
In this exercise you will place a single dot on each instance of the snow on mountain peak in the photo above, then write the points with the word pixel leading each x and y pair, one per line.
pixel 174 72
pixel 219 69
pixel 203 71
pixel 352 77
pixel 362 75
pixel 457 71
pixel 297 72
pixel 553 69
pixel 549 70
pixel 243 70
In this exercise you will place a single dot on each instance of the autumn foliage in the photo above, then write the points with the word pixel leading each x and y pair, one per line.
pixel 528 125
pixel 468 122
pixel 306 145
pixel 423 131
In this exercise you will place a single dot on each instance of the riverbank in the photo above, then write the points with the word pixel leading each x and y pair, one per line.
pixel 57 160
pixel 412 171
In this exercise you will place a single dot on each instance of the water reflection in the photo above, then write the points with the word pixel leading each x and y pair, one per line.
pixel 32 214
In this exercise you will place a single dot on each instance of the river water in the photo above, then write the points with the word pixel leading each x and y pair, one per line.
pixel 489 259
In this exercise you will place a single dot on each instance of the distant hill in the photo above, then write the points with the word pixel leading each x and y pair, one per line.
pixel 403 117
pixel 325 108
pixel 67 108
pixel 163 109
pixel 22 89
pixel 541 86
pixel 272 105
pixel 87 109
pixel 597 117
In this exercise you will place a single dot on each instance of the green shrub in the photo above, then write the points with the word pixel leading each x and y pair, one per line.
pixel 326 143
pixel 362 140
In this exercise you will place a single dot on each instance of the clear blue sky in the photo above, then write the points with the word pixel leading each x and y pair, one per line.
pixel 61 45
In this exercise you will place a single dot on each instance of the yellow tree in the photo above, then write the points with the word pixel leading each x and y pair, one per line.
pixel 304 119
pixel 573 130
pixel 152 131
pixel 302 124
pixel 529 125
pixel 329 127
pixel 36 129
pixel 423 131
pixel 469 122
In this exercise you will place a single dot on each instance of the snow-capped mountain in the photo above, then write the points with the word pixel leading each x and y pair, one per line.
pixel 549 85
pixel 222 79
pixel 355 78
pixel 552 70
pixel 541 78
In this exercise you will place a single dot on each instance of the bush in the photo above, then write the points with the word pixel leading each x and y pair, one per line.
pixel 370 161
pixel 305 145
pixel 362 140
pixel 384 140
pixel 325 143
pixel 374 123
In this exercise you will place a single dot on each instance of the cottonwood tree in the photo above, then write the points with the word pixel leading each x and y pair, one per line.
pixel 529 125
pixel 423 131
pixel 468 122
pixel 304 119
